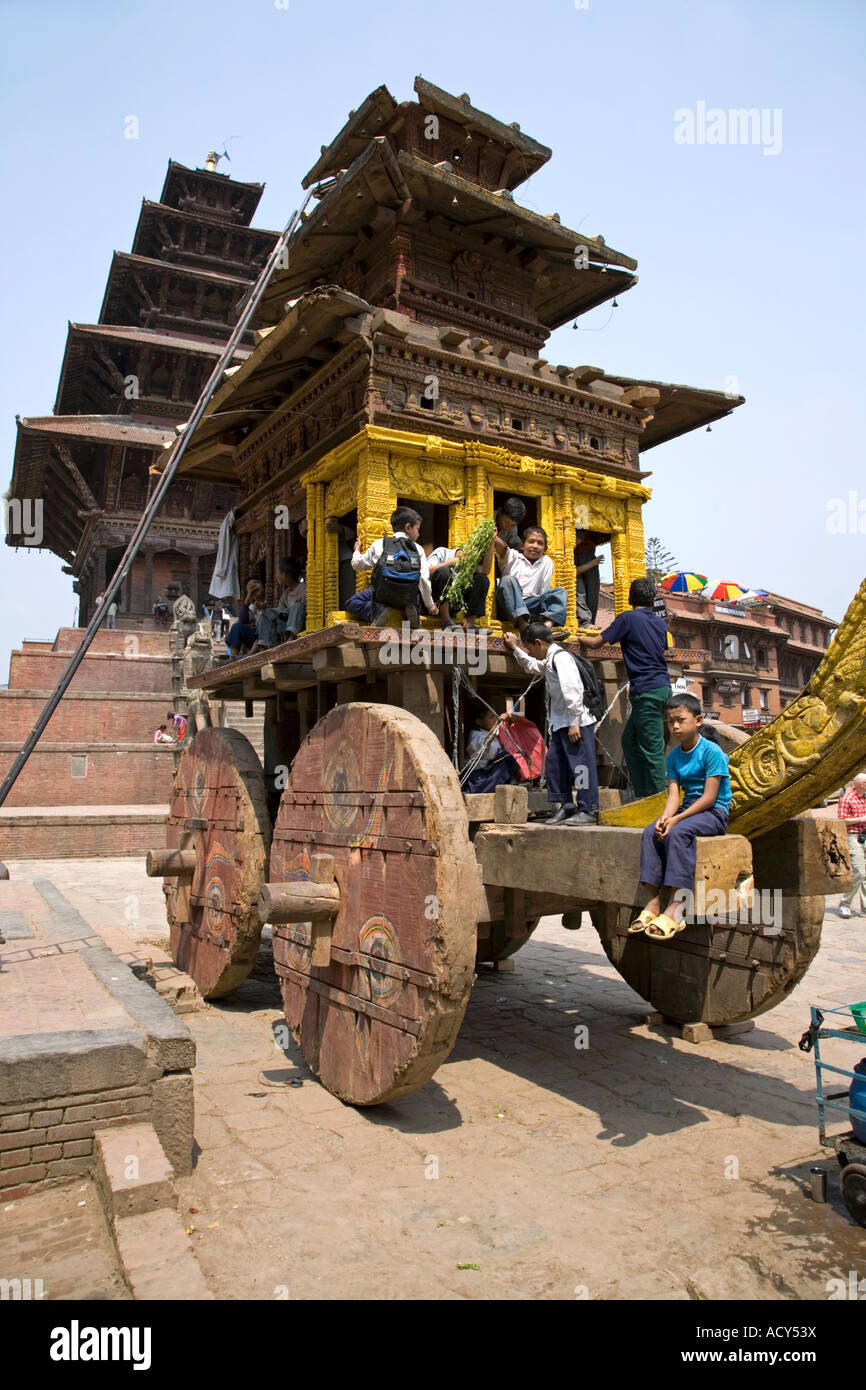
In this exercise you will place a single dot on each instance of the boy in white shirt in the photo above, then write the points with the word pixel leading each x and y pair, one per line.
pixel 570 763
pixel 397 593
pixel 524 592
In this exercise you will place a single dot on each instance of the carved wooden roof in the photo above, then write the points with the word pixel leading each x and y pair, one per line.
pixel 680 409
pixel 380 179
pixel 380 115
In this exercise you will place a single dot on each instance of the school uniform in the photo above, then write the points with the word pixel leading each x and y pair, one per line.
pixel 524 590
pixel 475 600
pixel 496 768
pixel 366 560
pixel 672 861
pixel 568 765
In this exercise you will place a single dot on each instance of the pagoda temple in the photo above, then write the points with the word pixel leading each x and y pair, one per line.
pixel 399 359
pixel 127 381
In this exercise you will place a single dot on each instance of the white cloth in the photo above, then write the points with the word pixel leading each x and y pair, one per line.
pixel 533 576
pixel 563 682
pixel 494 748
pixel 224 583
pixel 441 555
pixel 366 560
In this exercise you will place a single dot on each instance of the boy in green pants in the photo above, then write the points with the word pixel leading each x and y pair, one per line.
pixel 643 637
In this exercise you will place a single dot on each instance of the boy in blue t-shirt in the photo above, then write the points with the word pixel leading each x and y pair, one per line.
pixel 668 855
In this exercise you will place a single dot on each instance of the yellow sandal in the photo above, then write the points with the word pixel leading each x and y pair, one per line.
pixel 664 927
pixel 641 922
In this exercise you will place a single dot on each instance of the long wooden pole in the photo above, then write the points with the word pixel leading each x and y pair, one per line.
pixel 248 309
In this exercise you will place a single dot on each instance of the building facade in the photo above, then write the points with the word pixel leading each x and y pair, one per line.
pixel 126 382
pixel 760 655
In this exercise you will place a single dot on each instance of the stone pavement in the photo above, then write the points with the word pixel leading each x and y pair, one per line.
pixel 637 1167
pixel 83 1043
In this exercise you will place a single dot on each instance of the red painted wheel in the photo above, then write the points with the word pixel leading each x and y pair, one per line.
pixel 218 813
pixel 372 787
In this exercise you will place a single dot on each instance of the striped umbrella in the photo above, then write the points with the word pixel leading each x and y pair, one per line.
pixel 724 590
pixel 683 582
pixel 754 595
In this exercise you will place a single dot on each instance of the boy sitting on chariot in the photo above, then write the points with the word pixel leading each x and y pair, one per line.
pixel 399 568
pixel 524 592
pixel 698 768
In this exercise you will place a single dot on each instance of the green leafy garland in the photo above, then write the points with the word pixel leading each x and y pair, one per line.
pixel 463 570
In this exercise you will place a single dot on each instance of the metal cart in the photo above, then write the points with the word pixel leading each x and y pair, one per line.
pixel 840 1022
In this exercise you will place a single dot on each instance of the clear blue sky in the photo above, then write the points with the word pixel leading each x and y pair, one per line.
pixel 749 263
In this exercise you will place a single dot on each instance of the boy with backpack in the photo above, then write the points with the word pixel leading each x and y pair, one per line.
pixel 570 764
pixel 399 568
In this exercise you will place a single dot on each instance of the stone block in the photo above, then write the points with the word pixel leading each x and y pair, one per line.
pixel 37 1066
pixel 76 1148
pixel 157 1258
pixel 132 1170
pixel 173 1116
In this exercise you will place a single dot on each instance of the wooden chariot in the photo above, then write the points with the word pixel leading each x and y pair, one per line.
pixel 385 886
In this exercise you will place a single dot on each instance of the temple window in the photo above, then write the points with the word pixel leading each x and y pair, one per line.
pixel 762 658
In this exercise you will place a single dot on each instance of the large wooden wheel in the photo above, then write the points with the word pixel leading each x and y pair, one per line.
pixel 217 839
pixel 714 974
pixel 372 788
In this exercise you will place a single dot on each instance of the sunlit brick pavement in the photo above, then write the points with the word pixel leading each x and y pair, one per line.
pixel 638 1167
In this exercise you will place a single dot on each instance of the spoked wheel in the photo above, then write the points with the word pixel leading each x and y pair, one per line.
pixel 854 1191
pixel 217 839
pixel 714 974
pixel 374 823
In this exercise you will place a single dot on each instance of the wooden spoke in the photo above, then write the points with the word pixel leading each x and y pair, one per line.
pixel 372 788
pixel 218 813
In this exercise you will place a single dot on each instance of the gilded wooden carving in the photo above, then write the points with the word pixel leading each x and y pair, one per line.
pixel 815 745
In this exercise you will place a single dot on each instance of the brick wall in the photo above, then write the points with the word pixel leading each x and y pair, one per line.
pixel 106 672
pixel 116 774
pixel 84 716
pixel 54 1138
pixel 81 836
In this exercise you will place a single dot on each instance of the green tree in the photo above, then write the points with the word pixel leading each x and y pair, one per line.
pixel 659 560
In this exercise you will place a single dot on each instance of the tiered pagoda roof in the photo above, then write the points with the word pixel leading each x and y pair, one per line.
pixel 127 380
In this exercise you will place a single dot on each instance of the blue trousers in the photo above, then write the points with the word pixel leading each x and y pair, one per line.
pixel 672 861
pixel 571 767
pixel 240 635
pixel 485 779
pixel 360 604
pixel 511 604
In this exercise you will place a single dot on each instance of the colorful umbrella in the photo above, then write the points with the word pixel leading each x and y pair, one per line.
pixel 724 591
pixel 754 595
pixel 684 582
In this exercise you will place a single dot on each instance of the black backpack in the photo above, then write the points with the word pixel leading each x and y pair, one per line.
pixel 397 572
pixel 593 691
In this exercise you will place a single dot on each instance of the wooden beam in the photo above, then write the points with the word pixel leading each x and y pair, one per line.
pixel 806 857
pixel 593 863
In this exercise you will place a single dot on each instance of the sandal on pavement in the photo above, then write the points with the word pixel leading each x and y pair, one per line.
pixel 664 927
pixel 641 922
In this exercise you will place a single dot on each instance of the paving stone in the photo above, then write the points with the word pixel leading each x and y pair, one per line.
pixel 133 1172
